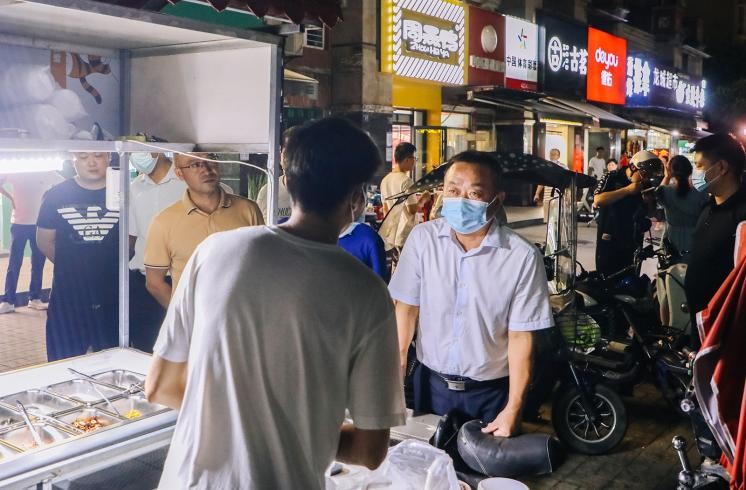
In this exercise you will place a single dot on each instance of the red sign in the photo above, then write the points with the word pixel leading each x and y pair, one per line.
pixel 486 47
pixel 607 67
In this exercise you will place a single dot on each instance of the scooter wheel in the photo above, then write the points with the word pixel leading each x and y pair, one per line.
pixel 579 430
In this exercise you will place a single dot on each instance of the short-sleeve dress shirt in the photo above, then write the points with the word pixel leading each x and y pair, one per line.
pixel 470 300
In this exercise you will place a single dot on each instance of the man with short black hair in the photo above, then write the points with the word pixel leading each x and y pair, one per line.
pixel 262 384
pixel 479 290
pixel 719 162
pixel 399 219
pixel 597 164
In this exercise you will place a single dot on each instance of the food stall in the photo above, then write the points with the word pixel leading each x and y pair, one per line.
pixel 188 82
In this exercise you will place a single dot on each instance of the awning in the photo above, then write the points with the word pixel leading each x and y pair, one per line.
pixel 604 118
pixel 294 76
pixel 545 112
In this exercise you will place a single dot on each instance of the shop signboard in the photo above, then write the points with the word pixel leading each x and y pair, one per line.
pixel 425 39
pixel 521 54
pixel 652 85
pixel 563 56
pixel 486 47
pixel 607 67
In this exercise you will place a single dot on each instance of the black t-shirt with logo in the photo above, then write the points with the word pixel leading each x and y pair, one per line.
pixel 83 306
pixel 618 220
pixel 713 244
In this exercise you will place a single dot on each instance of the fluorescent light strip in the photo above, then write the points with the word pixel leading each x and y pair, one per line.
pixel 28 165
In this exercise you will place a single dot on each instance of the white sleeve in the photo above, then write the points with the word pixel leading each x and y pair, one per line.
pixel 175 336
pixel 261 201
pixel 375 391
pixel 530 308
pixel 133 229
pixel 406 282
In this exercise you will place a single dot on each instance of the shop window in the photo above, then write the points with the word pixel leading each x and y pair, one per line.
pixel 315 37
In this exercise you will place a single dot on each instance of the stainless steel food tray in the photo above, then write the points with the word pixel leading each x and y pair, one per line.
pixel 83 390
pixel 121 378
pixel 7 451
pixel 40 402
pixel 134 402
pixel 107 419
pixel 9 417
pixel 20 437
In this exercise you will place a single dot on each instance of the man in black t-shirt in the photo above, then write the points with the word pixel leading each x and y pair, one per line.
pixel 622 217
pixel 719 162
pixel 80 236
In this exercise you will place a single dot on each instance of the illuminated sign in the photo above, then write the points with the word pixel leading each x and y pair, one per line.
pixel 563 56
pixel 607 67
pixel 652 85
pixel 486 47
pixel 427 40
pixel 521 54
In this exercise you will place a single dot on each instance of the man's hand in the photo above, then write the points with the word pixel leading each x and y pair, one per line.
pixel 636 186
pixel 506 424
pixel 537 200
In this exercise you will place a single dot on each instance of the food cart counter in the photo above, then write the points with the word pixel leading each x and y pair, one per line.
pixel 85 426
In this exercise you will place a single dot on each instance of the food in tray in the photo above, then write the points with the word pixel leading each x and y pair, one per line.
pixel 88 424
pixel 133 414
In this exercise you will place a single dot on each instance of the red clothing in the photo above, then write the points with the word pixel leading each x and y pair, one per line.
pixel 720 369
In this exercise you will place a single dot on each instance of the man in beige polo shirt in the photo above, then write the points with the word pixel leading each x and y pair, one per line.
pixel 204 209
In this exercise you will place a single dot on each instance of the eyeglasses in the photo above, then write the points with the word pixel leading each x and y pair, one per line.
pixel 200 164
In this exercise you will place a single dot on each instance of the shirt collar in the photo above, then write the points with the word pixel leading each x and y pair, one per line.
pixel 493 239
pixel 225 201
pixel 170 175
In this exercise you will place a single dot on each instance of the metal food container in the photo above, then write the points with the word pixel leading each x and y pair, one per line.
pixel 9 417
pixel 7 451
pixel 21 438
pixel 120 377
pixel 83 390
pixel 106 419
pixel 40 402
pixel 138 403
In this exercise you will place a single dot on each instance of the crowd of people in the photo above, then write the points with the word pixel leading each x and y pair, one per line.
pixel 263 336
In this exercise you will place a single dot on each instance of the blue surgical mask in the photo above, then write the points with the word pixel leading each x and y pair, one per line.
pixel 465 216
pixel 143 161
pixel 698 179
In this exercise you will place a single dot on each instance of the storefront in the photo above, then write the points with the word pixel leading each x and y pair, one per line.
pixel 423 46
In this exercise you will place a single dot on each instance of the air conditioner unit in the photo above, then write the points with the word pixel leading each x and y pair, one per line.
pixel 294 44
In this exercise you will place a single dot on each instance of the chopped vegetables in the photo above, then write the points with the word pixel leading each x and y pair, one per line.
pixel 133 414
pixel 88 424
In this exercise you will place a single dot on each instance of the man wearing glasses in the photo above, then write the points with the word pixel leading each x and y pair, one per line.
pixel 204 209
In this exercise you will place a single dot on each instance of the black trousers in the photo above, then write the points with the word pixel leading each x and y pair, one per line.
pixel 431 395
pixel 19 235
pixel 146 314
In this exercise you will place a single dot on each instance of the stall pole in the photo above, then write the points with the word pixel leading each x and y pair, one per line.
pixel 275 130
pixel 124 250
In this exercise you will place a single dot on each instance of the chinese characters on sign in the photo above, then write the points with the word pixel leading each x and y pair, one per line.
pixel 486 47
pixel 428 40
pixel 649 85
pixel 521 54
pixel 606 67
pixel 563 56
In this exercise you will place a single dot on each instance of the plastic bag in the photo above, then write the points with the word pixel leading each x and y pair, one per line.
pixel 415 465
pixel 40 120
pixel 25 84
pixel 69 104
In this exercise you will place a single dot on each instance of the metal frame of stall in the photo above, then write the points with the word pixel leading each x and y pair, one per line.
pixel 62 38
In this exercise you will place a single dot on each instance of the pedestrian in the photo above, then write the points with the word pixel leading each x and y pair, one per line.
pixel 611 165
pixel 622 217
pixel 597 164
pixel 544 194
pixel 25 195
pixel 478 290
pixel 400 219
pixel 284 204
pixel 156 188
pixel 80 236
pixel 274 331
pixel 719 162
pixel 362 241
pixel 204 208
pixel 681 203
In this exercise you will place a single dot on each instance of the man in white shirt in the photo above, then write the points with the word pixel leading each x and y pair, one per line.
pixel 27 190
pixel 479 291
pixel 284 203
pixel 400 219
pixel 597 165
pixel 261 384
pixel 156 188
pixel 544 193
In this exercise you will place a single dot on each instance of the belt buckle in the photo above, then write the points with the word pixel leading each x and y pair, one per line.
pixel 456 385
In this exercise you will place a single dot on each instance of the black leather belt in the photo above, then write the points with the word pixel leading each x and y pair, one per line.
pixel 462 383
